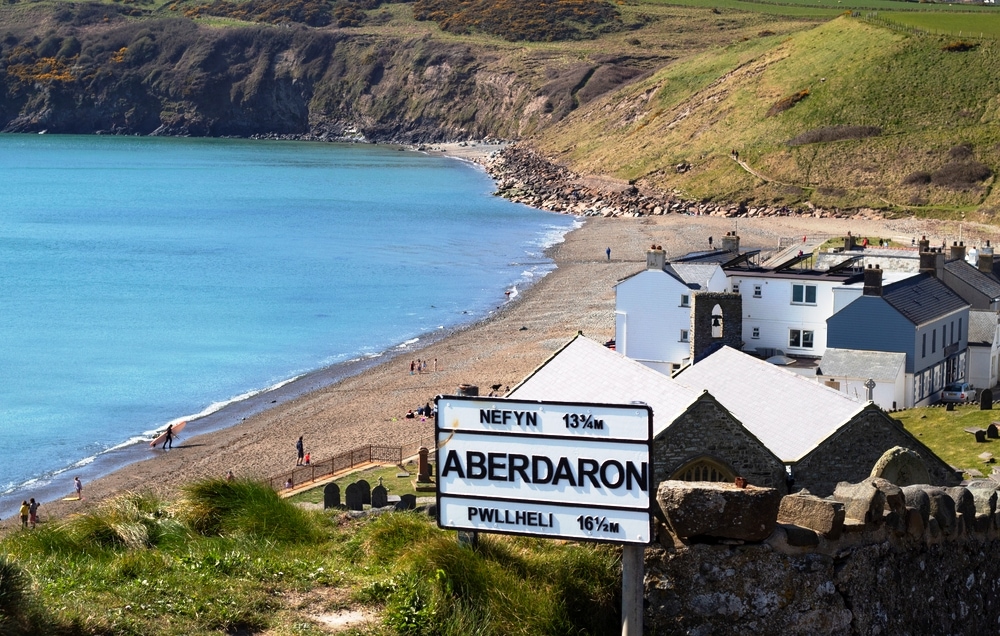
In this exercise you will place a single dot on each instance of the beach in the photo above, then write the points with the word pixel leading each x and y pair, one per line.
pixel 258 439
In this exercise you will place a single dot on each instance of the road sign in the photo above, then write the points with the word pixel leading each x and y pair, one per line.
pixel 550 469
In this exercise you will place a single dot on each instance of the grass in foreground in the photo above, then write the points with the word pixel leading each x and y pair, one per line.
pixel 235 558
pixel 944 432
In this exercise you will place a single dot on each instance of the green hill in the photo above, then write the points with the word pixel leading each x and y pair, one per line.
pixel 848 113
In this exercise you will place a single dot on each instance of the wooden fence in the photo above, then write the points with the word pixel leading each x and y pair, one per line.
pixel 369 454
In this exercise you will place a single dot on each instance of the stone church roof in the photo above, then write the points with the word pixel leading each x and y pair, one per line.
pixel 788 413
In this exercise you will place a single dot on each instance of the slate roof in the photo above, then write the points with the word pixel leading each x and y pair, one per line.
pixel 982 327
pixel 922 298
pixel 985 284
pixel 694 275
pixel 585 371
pixel 881 366
pixel 790 414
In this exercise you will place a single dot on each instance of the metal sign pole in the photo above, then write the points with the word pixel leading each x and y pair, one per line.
pixel 633 573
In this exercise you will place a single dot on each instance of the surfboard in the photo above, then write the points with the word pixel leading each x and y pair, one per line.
pixel 162 437
pixel 71 499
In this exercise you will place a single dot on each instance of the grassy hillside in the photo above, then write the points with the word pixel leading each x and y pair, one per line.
pixel 934 104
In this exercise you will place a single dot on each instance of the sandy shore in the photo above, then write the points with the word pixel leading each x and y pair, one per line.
pixel 369 407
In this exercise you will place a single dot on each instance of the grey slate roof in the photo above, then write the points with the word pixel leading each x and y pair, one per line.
pixel 694 275
pixel 881 366
pixel 982 327
pixel 790 414
pixel 985 284
pixel 922 298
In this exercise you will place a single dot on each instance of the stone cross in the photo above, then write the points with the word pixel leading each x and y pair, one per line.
pixel 870 385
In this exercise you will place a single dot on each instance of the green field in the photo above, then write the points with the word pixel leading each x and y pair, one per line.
pixel 966 25
pixel 944 432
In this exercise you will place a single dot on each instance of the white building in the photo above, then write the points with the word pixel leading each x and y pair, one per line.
pixel 849 370
pixel 984 349
pixel 653 310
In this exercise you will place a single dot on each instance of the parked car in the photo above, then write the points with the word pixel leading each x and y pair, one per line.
pixel 958 392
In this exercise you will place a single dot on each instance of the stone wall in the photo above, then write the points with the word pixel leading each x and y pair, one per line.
pixel 709 430
pixel 911 569
pixel 850 453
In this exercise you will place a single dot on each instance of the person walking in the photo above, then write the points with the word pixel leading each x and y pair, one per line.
pixel 168 441
pixel 608 252
pixel 33 512
pixel 79 487
pixel 24 514
pixel 300 451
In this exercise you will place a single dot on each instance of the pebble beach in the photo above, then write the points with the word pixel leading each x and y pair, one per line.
pixel 369 407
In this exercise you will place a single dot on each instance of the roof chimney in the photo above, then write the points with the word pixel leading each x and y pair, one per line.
pixel 932 262
pixel 873 281
pixel 957 251
pixel 985 262
pixel 731 242
pixel 656 258
pixel 923 244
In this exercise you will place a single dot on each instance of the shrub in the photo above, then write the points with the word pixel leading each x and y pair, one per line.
pixel 130 520
pixel 540 20
pixel 961 175
pixel 960 152
pixel 920 177
pixel 785 103
pixel 959 46
pixel 834 133
pixel 243 508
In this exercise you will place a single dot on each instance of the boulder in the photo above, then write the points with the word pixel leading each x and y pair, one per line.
pixel 965 502
pixel 984 492
pixel 822 515
pixel 864 501
pixel 719 510
pixel 942 509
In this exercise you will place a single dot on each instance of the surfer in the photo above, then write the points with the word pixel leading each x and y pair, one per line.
pixel 300 451
pixel 168 441
pixel 79 487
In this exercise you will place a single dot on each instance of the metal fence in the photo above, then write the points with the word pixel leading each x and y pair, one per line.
pixel 369 454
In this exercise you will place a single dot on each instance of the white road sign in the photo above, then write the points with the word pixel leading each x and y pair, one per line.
pixel 574 471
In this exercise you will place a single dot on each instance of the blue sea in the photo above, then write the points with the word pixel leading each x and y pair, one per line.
pixel 145 280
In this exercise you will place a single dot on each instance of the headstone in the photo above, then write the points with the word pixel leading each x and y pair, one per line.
pixel 380 498
pixel 331 496
pixel 992 431
pixel 407 502
pixel 950 406
pixel 986 400
pixel 424 474
pixel 366 491
pixel 353 497
pixel 980 434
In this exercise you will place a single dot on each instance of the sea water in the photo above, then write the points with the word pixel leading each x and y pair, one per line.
pixel 146 280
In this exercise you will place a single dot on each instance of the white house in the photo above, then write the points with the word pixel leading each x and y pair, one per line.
pixel 849 370
pixel 653 310
pixel 984 349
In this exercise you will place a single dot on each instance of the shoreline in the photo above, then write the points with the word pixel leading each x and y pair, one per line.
pixel 362 401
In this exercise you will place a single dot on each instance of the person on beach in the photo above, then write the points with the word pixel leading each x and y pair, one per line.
pixel 289 484
pixel 435 364
pixel 608 252
pixel 25 511
pixel 33 512
pixel 168 441
pixel 230 476
pixel 299 451
pixel 79 487
pixel 306 460
pixel 412 366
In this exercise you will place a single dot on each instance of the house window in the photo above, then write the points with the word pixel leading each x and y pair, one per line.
pixel 736 287
pixel 756 333
pixel 684 335
pixel 803 294
pixel 800 338
pixel 756 291
pixel 685 300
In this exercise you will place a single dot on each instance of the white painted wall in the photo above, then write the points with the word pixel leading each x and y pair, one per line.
pixel 774 314
pixel 649 319
pixel 887 394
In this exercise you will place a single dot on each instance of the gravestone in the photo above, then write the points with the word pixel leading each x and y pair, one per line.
pixel 331 496
pixel 950 406
pixel 366 491
pixel 380 498
pixel 992 431
pixel 986 400
pixel 424 473
pixel 407 502
pixel 353 497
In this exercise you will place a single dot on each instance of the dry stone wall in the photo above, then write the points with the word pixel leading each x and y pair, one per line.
pixel 917 566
